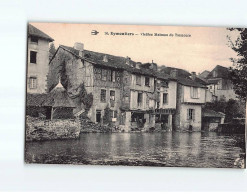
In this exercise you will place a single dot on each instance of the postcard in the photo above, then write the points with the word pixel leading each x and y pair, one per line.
pixel 135 95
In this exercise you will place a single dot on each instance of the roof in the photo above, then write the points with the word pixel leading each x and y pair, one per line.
pixel 212 113
pixel 33 31
pixel 213 81
pixel 190 82
pixel 58 97
pixel 180 72
pixel 204 74
pixel 116 62
pixel 222 72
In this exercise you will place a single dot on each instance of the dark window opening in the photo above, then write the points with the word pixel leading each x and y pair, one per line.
pixel 165 98
pixel 33 57
pixel 34 39
pixel 191 114
pixel 147 81
pixel 98 116
pixel 139 99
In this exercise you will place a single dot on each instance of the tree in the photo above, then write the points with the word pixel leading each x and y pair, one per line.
pixel 52 50
pixel 238 72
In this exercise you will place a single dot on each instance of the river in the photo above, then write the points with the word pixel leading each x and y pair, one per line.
pixel 170 149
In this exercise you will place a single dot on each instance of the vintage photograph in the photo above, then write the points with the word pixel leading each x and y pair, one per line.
pixel 135 95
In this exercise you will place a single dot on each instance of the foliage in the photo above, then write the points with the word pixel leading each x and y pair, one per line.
pixel 85 98
pixel 231 108
pixel 107 118
pixel 239 70
pixel 52 50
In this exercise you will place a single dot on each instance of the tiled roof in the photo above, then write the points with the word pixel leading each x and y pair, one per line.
pixel 211 113
pixel 190 82
pixel 113 61
pixel 58 97
pixel 222 72
pixel 180 72
pixel 38 33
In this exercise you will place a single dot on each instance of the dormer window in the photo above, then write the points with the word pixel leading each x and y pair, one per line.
pixel 105 58
pixel 34 39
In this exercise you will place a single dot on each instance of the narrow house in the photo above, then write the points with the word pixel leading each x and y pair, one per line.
pixel 139 98
pixel 191 96
pixel 38 60
pixel 166 90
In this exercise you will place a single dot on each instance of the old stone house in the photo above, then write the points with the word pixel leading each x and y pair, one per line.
pixel 38 60
pixel 219 83
pixel 125 87
pixel 191 96
pixel 166 102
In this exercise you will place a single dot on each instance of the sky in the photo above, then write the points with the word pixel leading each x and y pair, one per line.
pixel 202 49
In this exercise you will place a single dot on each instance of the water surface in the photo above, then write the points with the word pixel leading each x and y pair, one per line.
pixel 152 149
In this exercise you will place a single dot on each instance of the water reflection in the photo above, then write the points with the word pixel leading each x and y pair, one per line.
pixel 158 149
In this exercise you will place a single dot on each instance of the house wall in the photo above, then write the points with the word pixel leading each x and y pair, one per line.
pixel 187 95
pixel 96 84
pixel 209 96
pixel 226 94
pixel 40 69
pixel 180 120
pixel 185 123
pixel 142 87
pixel 172 94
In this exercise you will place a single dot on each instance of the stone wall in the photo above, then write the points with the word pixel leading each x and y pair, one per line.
pixel 38 129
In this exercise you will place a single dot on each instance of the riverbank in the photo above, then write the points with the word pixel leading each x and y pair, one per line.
pixel 41 130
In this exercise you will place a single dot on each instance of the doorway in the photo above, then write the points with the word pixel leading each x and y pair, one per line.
pixel 98 116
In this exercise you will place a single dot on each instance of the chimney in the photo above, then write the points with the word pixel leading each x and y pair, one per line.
pixel 80 47
pixel 105 58
pixel 128 60
pixel 174 73
pixel 193 75
pixel 153 66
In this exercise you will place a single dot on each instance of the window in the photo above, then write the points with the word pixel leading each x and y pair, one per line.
pixel 165 98
pixel 113 76
pixel 34 39
pixel 33 82
pixel 139 99
pixel 112 95
pixel 33 57
pixel 147 81
pixel 138 80
pixel 104 75
pixel 194 92
pixel 103 95
pixel 113 113
pixel 191 114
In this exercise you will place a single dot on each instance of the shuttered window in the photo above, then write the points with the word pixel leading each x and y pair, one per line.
pixel 138 80
pixel 104 75
pixel 194 92
pixel 165 98
pixel 190 114
pixel 33 82
pixel 103 95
